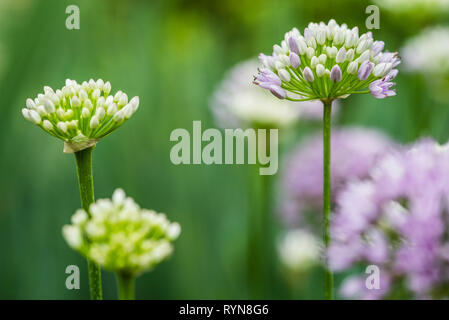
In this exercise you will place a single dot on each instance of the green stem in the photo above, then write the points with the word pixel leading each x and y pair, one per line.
pixel 260 266
pixel 327 114
pixel 125 286
pixel 86 185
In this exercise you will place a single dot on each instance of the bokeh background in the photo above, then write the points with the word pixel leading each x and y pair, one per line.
pixel 172 54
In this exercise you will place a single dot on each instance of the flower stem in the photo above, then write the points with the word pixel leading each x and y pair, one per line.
pixel 260 266
pixel 125 286
pixel 86 185
pixel 327 114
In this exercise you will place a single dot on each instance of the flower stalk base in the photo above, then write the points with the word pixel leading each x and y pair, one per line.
pixel 125 286
pixel 86 185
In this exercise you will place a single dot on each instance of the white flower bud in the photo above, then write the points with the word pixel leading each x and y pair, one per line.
pixel 62 126
pixel 322 58
pixel 284 59
pixel 350 55
pixel 314 62
pixel 364 56
pixel 100 102
pixel 311 43
pixel 320 70
pixel 119 116
pixel 100 84
pixel 302 46
pixel 350 40
pixel 381 69
pixel 92 85
pixel 118 197
pixel 73 236
pixel 60 113
pixel 331 52
pixel 83 95
pixel 48 90
pixel 364 45
pixel 308 74
pixel 85 113
pixel 88 104
pixel 339 37
pixel 341 55
pixel 278 65
pixel 117 95
pixel 109 100
pixel 47 125
pixel 112 109
pixel 107 87
pixel 277 49
pixel 59 94
pixel 94 122
pixel 321 36
pixel 174 230
pixel 352 67
pixel 123 100
pixel 35 117
pixel 96 94
pixel 100 113
pixel 135 103
pixel 30 104
pixel 41 110
pixel 128 111
pixel 79 217
pixel 26 114
pixel 310 52
pixel 284 75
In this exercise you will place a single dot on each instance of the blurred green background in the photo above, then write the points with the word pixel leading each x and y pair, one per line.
pixel 172 54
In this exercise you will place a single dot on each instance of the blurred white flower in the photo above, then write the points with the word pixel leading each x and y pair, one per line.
pixel 120 236
pixel 238 102
pixel 428 52
pixel 299 250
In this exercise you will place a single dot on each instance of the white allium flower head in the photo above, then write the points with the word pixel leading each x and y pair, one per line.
pixel 299 250
pixel 80 114
pixel 120 236
pixel 327 62
pixel 237 102
pixel 428 52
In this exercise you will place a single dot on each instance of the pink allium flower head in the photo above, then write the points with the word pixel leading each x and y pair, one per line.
pixel 355 150
pixel 397 220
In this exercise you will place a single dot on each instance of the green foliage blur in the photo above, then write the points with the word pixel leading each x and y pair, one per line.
pixel 172 54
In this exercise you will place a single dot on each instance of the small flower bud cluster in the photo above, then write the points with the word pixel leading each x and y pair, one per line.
pixel 327 62
pixel 80 114
pixel 120 236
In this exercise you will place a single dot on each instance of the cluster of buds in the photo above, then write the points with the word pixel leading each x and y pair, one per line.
pixel 80 114
pixel 328 62
pixel 120 236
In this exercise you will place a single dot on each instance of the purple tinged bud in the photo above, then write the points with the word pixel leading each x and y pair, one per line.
pixel 278 92
pixel 381 89
pixel 308 74
pixel 293 45
pixel 365 69
pixel 294 60
pixel 335 73
pixel 377 47
pixel 391 75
